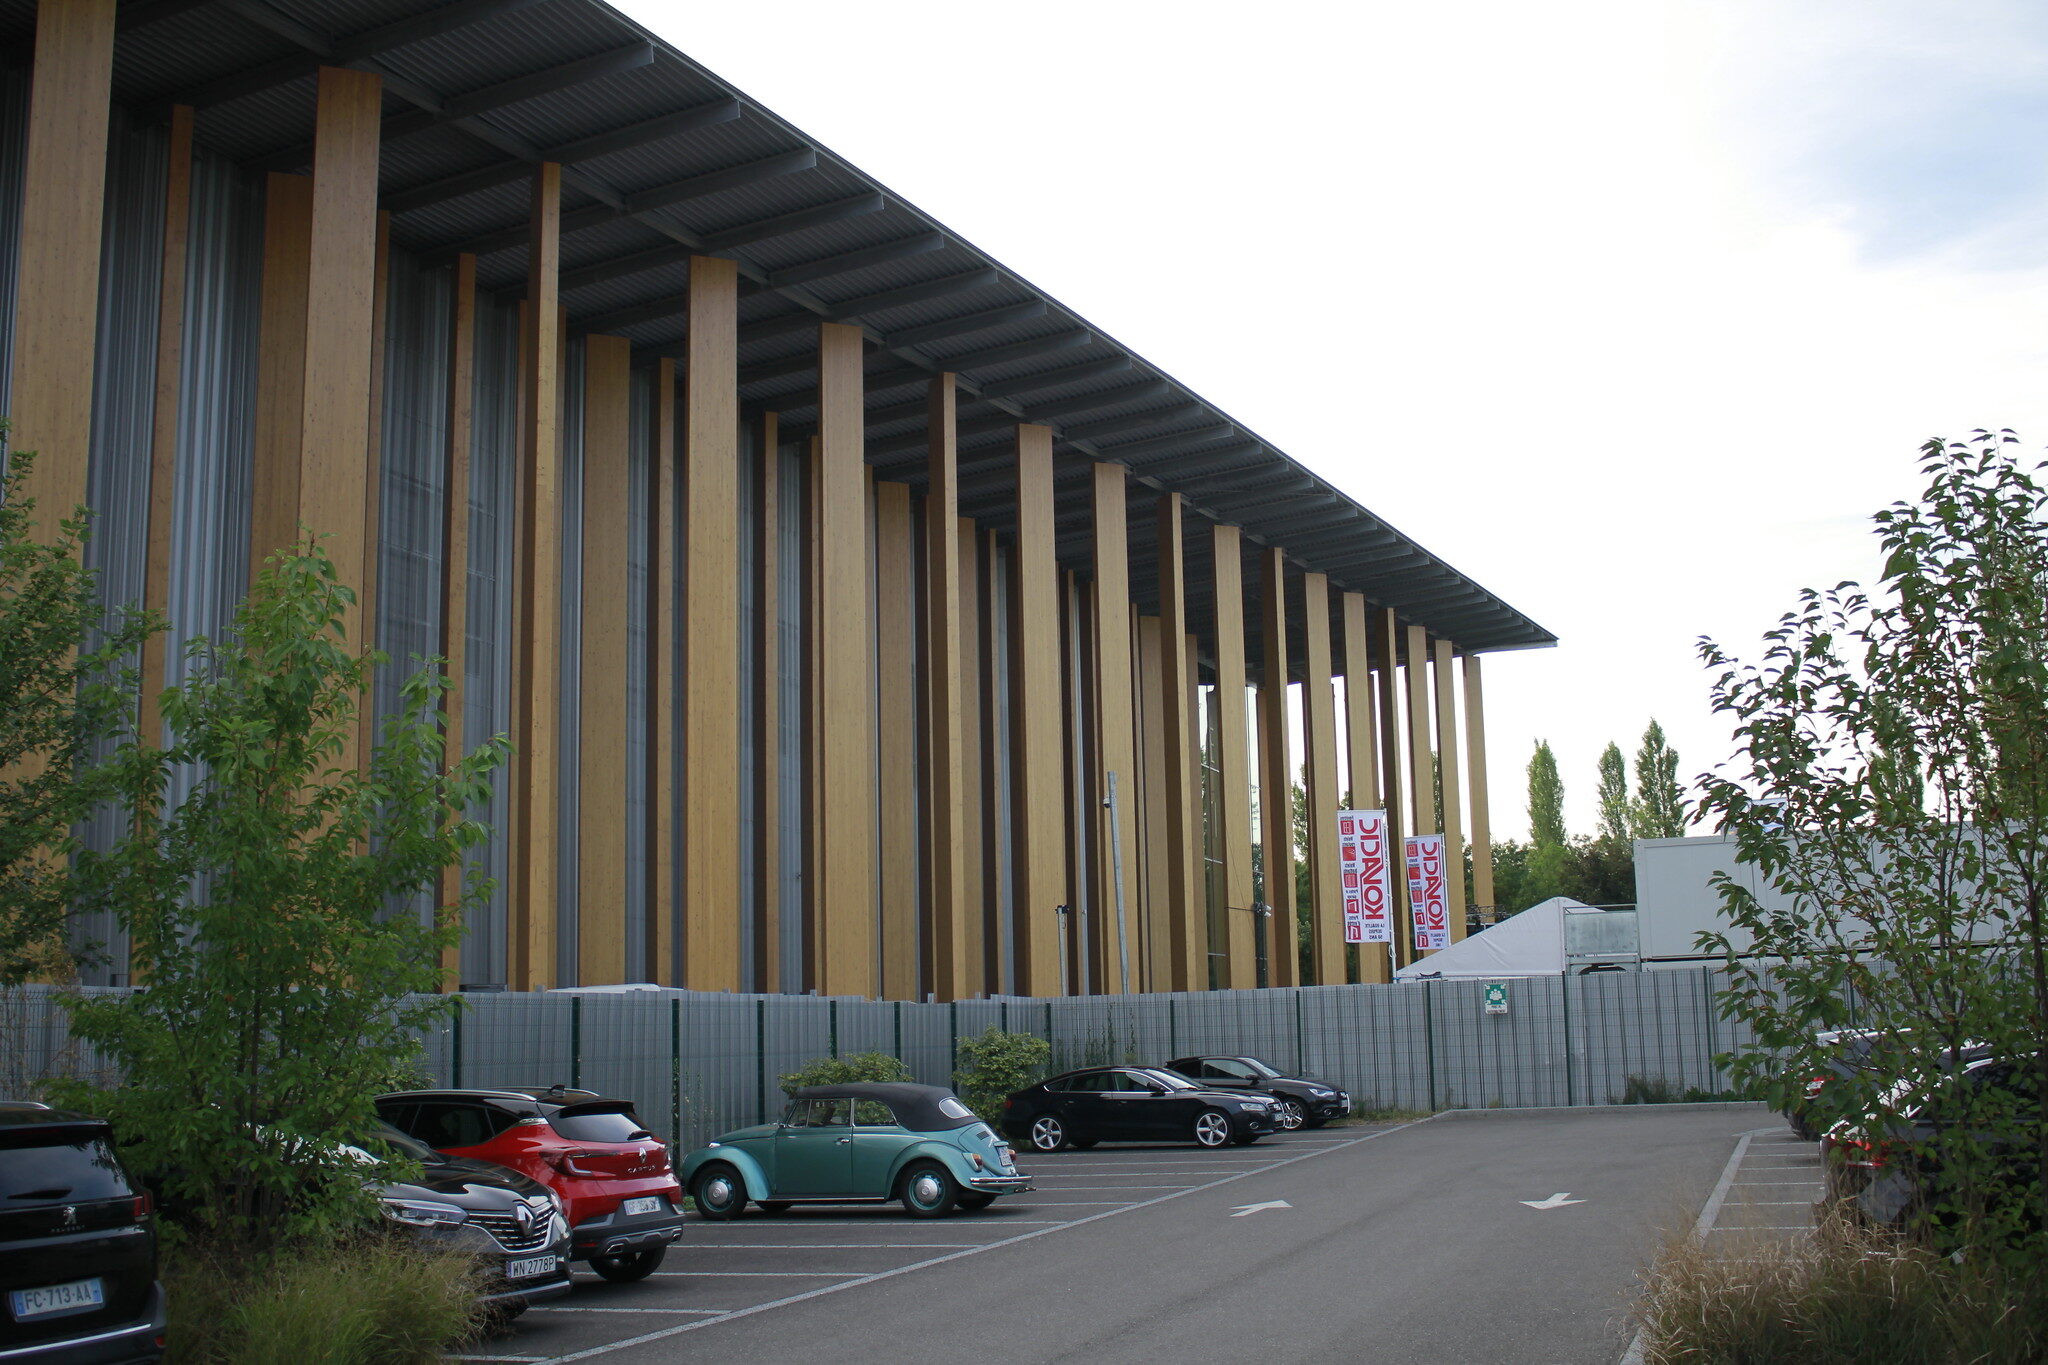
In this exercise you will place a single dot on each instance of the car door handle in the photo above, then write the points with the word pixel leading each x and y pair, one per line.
pixel 844 1141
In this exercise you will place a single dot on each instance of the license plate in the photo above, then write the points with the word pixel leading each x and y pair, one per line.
pixel 651 1204
pixel 80 1296
pixel 529 1267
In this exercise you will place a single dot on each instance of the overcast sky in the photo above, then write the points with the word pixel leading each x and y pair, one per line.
pixel 1634 310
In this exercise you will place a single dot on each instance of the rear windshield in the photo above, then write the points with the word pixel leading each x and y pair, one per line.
pixel 598 1127
pixel 35 1170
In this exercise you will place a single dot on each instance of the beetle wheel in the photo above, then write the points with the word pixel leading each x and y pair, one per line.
pixel 719 1194
pixel 927 1190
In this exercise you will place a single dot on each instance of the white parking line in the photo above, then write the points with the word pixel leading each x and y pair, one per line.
pixel 1078 1203
pixel 1078 1188
pixel 545 1308
pixel 817 1246
pixel 798 1224
pixel 679 1328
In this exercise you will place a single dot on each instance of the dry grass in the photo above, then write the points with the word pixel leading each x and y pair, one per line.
pixel 369 1301
pixel 1844 1296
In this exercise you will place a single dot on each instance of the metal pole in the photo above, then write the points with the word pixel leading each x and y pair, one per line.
pixel 761 1058
pixel 899 1030
pixel 952 1040
pixel 1564 996
pixel 575 1042
pixel 1429 1036
pixel 1116 876
pixel 833 1012
pixel 455 1069
pixel 675 1069
pixel 1300 1051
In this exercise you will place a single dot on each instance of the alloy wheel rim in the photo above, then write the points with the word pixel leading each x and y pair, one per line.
pixel 1211 1130
pixel 1291 1115
pixel 1046 1133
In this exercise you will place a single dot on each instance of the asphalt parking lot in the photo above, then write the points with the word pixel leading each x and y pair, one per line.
pixel 1506 1236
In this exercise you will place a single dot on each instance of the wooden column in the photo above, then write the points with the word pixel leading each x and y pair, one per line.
pixel 1233 766
pixel 662 931
pixel 537 670
pixel 1319 737
pixel 1386 635
pixel 1276 778
pixel 1039 856
pixel 163 440
pixel 974 879
pixel 1374 964
pixel 1082 922
pixel 1116 741
pixel 601 801
pixel 280 368
pixel 1454 821
pixel 1149 938
pixel 334 487
pixel 1186 913
pixel 845 890
pixel 711 651
pixel 944 779
pixel 1475 759
pixel 768 716
pixel 896 690
pixel 373 477
pixel 455 513
pixel 56 303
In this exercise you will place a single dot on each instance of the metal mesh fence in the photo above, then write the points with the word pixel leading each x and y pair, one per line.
pixel 700 1063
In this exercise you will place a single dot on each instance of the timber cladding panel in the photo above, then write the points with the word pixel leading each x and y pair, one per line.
pixel 601 805
pixel 1035 712
pixel 895 692
pixel 1233 760
pixel 945 789
pixel 1276 775
pixel 1116 743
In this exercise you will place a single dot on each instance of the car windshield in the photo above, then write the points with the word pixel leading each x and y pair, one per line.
pixel 605 1126
pixel 1259 1066
pixel 58 1166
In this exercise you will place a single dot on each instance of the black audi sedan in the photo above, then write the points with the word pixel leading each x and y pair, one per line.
pixel 1304 1101
pixel 78 1250
pixel 1133 1104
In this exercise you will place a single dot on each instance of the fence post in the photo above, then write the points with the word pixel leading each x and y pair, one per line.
pixel 575 1042
pixel 1429 1035
pixel 1713 1043
pixel 1172 1027
pixel 899 1030
pixel 761 1058
pixel 833 1011
pixel 952 1040
pixel 675 1069
pixel 1003 1013
pixel 1300 1047
pixel 1048 1025
pixel 455 1048
pixel 1564 1010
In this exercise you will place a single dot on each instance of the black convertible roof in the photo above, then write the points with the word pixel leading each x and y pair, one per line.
pixel 915 1106
pixel 662 159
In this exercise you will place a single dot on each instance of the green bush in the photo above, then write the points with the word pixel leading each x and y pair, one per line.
pixel 858 1066
pixel 1845 1296
pixel 370 1300
pixel 994 1063
pixel 1657 1090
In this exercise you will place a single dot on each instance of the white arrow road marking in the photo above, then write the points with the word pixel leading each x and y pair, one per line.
pixel 1556 1201
pixel 1245 1209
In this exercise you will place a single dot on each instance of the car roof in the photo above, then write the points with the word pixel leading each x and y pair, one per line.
pixel 21 1115
pixel 915 1106
pixel 560 1096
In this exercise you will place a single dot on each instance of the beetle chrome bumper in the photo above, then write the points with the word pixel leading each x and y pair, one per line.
pixel 1001 1184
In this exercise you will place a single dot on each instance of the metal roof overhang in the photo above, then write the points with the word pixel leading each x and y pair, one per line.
pixel 662 160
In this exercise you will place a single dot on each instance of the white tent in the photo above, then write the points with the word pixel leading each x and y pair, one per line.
pixel 1528 944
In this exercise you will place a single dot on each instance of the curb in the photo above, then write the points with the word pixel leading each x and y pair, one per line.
pixel 1695 1107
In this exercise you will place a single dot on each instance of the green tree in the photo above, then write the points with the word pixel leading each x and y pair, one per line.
pixel 1891 788
pixel 66 696
pixel 1549 856
pixel 1659 807
pixel 1616 816
pixel 262 915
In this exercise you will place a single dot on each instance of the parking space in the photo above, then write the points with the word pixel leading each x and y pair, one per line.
pixel 760 1263
pixel 1769 1190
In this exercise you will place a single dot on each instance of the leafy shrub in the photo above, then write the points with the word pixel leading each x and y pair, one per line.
pixel 994 1063
pixel 1657 1090
pixel 1846 1296
pixel 858 1066
pixel 371 1300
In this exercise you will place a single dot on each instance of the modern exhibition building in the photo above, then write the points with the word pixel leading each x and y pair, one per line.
pixel 866 621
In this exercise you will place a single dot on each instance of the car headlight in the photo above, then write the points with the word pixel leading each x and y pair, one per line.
pixel 1321 1092
pixel 421 1213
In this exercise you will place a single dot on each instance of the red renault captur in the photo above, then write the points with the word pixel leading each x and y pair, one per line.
pixel 617 1186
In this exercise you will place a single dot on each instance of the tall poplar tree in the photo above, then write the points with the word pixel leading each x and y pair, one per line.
pixel 1549 851
pixel 1615 817
pixel 1659 807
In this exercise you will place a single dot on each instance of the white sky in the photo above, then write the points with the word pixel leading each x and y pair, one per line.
pixel 1631 309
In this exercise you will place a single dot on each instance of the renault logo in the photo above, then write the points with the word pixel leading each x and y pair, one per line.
pixel 522 1217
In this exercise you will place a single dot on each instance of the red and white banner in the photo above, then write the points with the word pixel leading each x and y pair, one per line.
pixel 1427 894
pixel 1365 868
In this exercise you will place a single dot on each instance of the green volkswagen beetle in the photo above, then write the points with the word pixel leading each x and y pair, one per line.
pixel 865 1142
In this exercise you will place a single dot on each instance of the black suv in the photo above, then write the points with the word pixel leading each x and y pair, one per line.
pixel 1304 1101
pixel 78 1279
